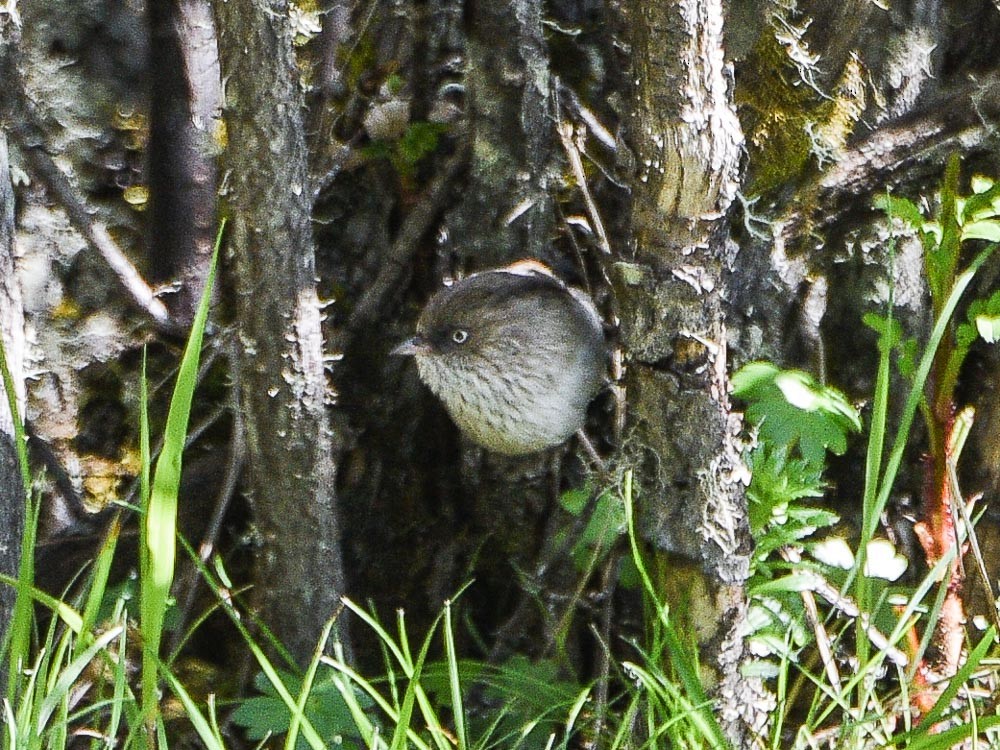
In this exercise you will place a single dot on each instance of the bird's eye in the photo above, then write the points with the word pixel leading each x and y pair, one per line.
pixel 459 335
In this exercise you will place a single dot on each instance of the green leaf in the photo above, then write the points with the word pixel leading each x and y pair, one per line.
pixel 267 714
pixel 751 377
pixel 941 260
pixel 982 230
pixel 983 320
pixel 900 208
pixel 802 391
pixel 160 509
pixel 574 501
pixel 419 141
pixel 776 483
pixel 791 409
pixel 795 583
pixel 891 336
pixel 890 331
pixel 984 203
pixel 909 354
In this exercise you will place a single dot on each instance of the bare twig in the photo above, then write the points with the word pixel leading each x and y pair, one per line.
pixel 27 132
pixel 848 607
pixel 572 102
pixel 556 547
pixel 609 575
pixel 792 555
pixel 94 232
pixel 576 164
pixel 960 431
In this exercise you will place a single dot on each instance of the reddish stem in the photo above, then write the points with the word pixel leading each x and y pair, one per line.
pixel 937 536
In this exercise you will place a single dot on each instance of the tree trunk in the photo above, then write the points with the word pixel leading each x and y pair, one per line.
pixel 183 145
pixel 282 369
pixel 12 499
pixel 687 143
pixel 512 137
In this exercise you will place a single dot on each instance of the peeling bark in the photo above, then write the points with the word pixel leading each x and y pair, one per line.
pixel 687 143
pixel 282 371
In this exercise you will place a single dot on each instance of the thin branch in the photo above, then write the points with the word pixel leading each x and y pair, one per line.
pixel 96 234
pixel 416 224
pixel 823 642
pixel 576 164
pixel 28 134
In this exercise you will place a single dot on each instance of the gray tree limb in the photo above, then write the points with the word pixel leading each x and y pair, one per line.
pixel 687 142
pixel 281 373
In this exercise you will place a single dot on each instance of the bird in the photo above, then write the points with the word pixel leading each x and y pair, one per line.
pixel 515 354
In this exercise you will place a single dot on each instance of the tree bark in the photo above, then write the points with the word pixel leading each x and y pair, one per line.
pixel 185 118
pixel 12 498
pixel 12 330
pixel 512 136
pixel 687 143
pixel 282 371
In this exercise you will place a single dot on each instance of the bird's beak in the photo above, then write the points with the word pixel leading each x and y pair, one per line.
pixel 408 348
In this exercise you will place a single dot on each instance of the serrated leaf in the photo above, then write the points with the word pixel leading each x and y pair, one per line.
pixel 791 409
pixel 802 391
pixel 267 714
pixel 890 331
pixel 815 517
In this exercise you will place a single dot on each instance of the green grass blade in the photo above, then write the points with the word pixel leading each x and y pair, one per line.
pixel 29 697
pixel 99 580
pixel 574 714
pixel 202 726
pixel 161 509
pixel 380 631
pixel 365 727
pixel 65 612
pixel 941 325
pixel 954 737
pixel 415 692
pixel 121 684
pixel 873 468
pixel 69 675
pixel 307 683
pixel 958 681
pixel 702 716
pixel 20 623
pixel 454 682
pixel 20 439
pixel 307 729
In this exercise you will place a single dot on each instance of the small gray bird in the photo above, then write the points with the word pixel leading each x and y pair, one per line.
pixel 515 355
